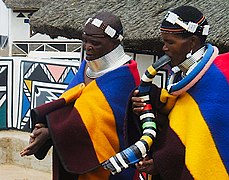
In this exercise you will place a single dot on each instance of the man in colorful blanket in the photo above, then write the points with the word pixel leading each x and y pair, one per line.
pixel 85 125
pixel 192 140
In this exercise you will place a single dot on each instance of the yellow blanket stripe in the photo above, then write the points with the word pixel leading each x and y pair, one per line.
pixel 92 103
pixel 73 93
pixel 169 99
pixel 202 158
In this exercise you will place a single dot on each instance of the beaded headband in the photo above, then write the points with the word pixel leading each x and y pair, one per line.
pixel 106 28
pixel 188 26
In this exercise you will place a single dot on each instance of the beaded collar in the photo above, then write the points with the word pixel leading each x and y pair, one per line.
pixel 189 62
pixel 108 62
pixel 193 73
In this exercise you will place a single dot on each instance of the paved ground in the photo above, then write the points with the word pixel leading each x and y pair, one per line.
pixel 13 166
pixel 12 172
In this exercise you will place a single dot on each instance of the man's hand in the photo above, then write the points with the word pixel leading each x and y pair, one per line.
pixel 38 137
pixel 34 133
pixel 147 166
pixel 137 103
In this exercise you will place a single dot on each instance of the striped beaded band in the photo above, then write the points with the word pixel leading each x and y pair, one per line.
pixel 139 150
pixel 188 26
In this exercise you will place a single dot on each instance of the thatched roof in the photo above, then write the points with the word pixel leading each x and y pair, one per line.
pixel 25 4
pixel 140 18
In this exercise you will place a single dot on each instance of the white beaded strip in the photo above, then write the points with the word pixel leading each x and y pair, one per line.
pixel 146 115
pixel 108 30
pixel 190 27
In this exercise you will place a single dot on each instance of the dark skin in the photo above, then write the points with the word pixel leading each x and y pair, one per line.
pixel 176 47
pixel 96 44
pixel 146 165
pixel 38 137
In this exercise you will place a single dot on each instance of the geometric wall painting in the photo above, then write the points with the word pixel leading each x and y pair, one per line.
pixel 30 83
pixel 42 82
pixel 5 93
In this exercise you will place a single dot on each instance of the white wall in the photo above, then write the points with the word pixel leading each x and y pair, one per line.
pixel 19 29
pixel 43 37
pixel 144 61
pixel 4 19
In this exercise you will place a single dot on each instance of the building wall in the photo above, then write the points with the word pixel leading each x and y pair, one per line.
pixel 4 16
pixel 20 28
pixel 15 26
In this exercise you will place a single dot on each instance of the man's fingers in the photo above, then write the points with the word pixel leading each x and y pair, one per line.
pixel 32 135
pixel 29 150
pixel 39 125
pixel 26 152
pixel 36 132
pixel 137 99
pixel 136 92
pixel 138 104
pixel 148 162
pixel 31 140
pixel 137 110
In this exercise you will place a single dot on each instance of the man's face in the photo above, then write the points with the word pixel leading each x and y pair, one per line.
pixel 176 47
pixel 96 43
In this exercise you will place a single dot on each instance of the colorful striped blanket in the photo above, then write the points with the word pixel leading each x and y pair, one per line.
pixel 194 140
pixel 86 123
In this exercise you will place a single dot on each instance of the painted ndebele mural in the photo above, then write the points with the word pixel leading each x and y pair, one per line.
pixel 26 83
pixel 5 92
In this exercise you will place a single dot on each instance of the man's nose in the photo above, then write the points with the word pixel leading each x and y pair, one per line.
pixel 165 48
pixel 88 46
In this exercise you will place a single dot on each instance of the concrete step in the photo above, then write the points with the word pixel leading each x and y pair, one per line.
pixel 15 167
pixel 14 172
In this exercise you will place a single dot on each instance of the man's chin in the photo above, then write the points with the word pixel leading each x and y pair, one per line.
pixel 89 58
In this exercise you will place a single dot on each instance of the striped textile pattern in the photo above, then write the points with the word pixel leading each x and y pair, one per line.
pixel 139 150
pixel 87 125
pixel 199 128
pixel 194 141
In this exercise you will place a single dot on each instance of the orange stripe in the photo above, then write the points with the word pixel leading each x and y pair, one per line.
pixel 180 30
pixel 201 20
pixel 188 123
pixel 73 93
pixel 93 107
pixel 172 30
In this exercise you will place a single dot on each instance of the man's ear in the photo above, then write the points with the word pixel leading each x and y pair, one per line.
pixel 195 42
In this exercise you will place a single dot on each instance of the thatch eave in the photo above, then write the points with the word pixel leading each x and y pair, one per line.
pixel 25 4
pixel 140 18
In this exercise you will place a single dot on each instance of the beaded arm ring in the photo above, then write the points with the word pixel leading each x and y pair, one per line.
pixel 139 150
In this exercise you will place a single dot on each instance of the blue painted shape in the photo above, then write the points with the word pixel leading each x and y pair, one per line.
pixel 69 77
pixel 3 124
pixel 25 105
